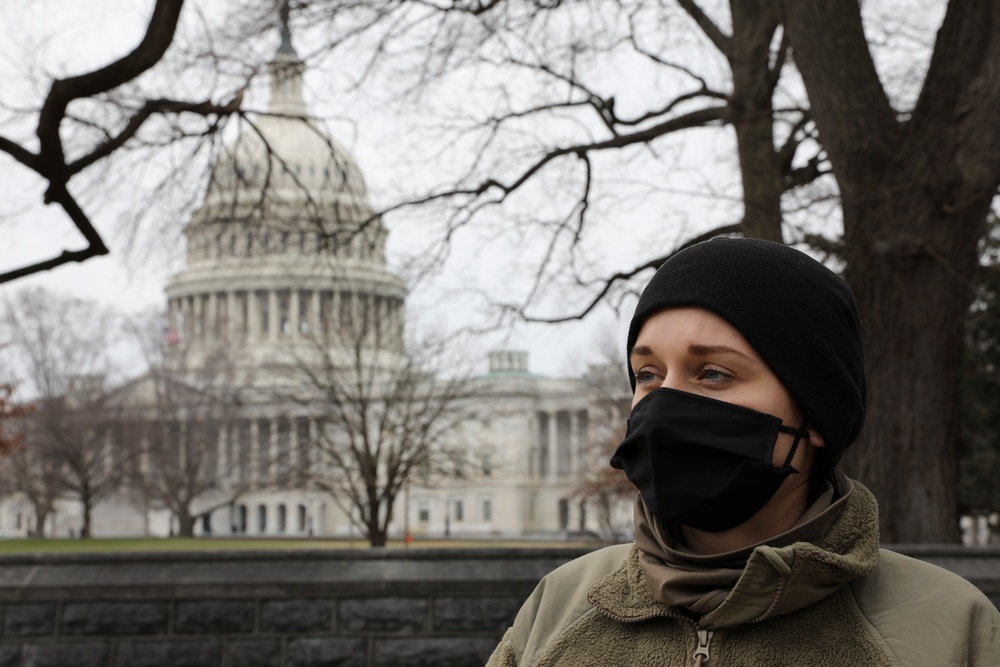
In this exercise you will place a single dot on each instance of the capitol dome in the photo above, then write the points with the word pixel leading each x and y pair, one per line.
pixel 285 244
pixel 285 153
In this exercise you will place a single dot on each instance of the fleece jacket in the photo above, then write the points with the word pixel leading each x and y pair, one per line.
pixel 840 600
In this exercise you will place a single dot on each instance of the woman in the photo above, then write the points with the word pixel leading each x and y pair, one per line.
pixel 751 548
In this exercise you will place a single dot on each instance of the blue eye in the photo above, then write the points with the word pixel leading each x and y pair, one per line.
pixel 642 376
pixel 715 375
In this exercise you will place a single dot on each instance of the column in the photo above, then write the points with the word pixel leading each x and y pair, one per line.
pixel 188 318
pixel 293 451
pixel 553 445
pixel 199 317
pixel 275 456
pixel 315 326
pixel 212 317
pixel 294 312
pixel 574 442
pixel 232 316
pixel 272 314
pixel 254 477
pixel 253 317
pixel 172 314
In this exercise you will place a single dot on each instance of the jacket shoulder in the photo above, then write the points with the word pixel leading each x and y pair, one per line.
pixel 928 615
pixel 560 599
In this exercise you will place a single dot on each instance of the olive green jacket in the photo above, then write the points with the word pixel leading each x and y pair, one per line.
pixel 841 601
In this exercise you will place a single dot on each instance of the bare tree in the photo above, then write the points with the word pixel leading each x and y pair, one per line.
pixel 35 472
pixel 178 423
pixel 384 414
pixel 61 345
pixel 116 120
pixel 11 413
pixel 601 487
pixel 916 179
pixel 916 188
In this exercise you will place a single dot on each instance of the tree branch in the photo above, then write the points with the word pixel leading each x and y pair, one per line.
pixel 707 25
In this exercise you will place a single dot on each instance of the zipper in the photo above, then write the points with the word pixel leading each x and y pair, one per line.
pixel 701 651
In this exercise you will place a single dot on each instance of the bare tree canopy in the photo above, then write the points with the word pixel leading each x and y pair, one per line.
pixel 118 129
pixel 385 415
pixel 544 124
pixel 61 347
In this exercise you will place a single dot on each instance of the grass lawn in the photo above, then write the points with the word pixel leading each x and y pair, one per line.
pixel 62 545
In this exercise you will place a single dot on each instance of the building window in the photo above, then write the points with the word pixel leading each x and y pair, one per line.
pixel 487 509
pixel 282 518
pixel 302 518
pixel 262 519
pixel 458 510
pixel 423 511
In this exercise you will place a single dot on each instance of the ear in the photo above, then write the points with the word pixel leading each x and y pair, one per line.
pixel 815 439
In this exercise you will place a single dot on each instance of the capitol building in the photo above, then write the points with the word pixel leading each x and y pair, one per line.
pixel 285 271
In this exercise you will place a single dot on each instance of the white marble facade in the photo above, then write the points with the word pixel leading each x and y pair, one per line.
pixel 262 276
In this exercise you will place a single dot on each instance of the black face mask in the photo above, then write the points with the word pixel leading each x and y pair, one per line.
pixel 701 462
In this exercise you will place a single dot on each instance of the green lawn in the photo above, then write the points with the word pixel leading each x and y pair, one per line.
pixel 34 545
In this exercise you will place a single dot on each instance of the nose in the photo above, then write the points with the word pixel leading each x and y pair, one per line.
pixel 673 381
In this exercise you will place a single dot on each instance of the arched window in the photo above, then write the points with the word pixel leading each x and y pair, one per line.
pixel 282 518
pixel 262 519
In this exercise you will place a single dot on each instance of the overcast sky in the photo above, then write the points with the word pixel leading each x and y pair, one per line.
pixel 57 37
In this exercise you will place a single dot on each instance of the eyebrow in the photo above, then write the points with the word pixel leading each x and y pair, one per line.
pixel 705 350
pixel 698 350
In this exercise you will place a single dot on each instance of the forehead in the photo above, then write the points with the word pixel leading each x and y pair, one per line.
pixel 690 325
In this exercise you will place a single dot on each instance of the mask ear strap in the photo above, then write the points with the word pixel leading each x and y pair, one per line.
pixel 799 433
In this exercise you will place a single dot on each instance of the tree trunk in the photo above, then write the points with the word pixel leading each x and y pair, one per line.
pixel 754 26
pixel 912 289
pixel 87 512
pixel 185 524
pixel 915 194
pixel 376 534
pixel 40 519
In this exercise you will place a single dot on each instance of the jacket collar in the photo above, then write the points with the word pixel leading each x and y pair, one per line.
pixel 775 581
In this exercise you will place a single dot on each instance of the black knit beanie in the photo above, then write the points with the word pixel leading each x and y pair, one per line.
pixel 798 315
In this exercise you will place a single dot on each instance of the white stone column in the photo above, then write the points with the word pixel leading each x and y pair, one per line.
pixel 272 314
pixel 315 326
pixel 294 312
pixel 553 445
pixel 188 324
pixel 574 442
pixel 232 316
pixel 212 317
pixel 172 314
pixel 254 476
pixel 293 447
pixel 274 454
pixel 253 316
pixel 335 322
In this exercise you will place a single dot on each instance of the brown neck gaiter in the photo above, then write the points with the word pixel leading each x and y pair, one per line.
pixel 679 577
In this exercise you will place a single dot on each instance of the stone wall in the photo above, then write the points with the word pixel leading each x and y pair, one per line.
pixel 354 608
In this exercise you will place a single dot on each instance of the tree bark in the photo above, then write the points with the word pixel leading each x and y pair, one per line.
pixel 185 524
pixel 752 112
pixel 915 193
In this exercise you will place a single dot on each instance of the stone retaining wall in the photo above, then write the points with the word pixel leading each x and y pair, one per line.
pixel 387 608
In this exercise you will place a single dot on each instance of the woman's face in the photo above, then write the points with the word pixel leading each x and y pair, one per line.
pixel 694 350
